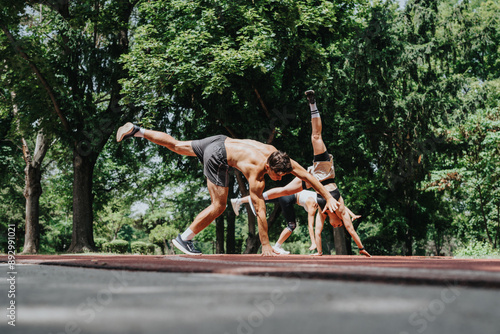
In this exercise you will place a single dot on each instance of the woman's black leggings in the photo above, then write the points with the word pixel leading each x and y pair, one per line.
pixel 287 208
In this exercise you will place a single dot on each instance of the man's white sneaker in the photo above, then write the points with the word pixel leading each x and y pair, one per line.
pixel 236 204
pixel 280 250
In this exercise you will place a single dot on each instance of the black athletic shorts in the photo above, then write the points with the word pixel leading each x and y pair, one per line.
pixel 212 154
pixel 322 202
pixel 287 206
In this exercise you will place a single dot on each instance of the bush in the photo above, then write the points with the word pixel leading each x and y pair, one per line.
pixel 99 242
pixel 477 249
pixel 116 246
pixel 140 247
pixel 161 234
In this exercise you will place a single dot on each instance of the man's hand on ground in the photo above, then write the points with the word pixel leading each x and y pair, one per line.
pixel 268 250
pixel 365 253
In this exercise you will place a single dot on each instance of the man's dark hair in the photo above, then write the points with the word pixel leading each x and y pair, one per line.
pixel 279 162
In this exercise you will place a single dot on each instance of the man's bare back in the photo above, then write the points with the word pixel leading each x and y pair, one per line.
pixel 248 156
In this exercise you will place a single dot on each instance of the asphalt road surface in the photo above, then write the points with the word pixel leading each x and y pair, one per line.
pixel 56 299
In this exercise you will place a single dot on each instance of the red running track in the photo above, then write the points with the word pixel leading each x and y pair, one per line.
pixel 386 269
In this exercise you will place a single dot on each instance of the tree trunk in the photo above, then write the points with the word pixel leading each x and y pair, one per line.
pixel 339 240
pixel 32 186
pixel 32 228
pixel 347 240
pixel 32 192
pixel 483 214
pixel 83 238
pixel 231 222
pixel 438 242
pixel 252 244
pixel 498 226
pixel 253 241
pixel 219 235
pixel 231 234
pixel 410 218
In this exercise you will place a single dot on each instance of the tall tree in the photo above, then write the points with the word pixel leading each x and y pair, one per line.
pixel 393 95
pixel 233 67
pixel 33 190
pixel 29 96
pixel 469 39
pixel 83 41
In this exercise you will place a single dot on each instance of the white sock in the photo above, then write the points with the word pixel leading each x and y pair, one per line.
pixel 140 133
pixel 277 244
pixel 187 235
pixel 314 111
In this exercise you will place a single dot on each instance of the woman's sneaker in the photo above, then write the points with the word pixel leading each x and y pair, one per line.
pixel 280 250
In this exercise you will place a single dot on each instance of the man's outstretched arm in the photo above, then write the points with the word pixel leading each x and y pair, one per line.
pixel 301 173
pixel 291 188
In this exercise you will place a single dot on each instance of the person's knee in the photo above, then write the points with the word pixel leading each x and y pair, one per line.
pixel 316 137
pixel 341 210
pixel 291 226
pixel 218 208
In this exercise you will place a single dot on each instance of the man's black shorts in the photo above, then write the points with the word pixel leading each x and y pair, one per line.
pixel 212 154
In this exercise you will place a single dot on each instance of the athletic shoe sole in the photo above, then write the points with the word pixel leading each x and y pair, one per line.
pixel 311 98
pixel 236 207
pixel 252 207
pixel 123 131
pixel 281 251
pixel 182 249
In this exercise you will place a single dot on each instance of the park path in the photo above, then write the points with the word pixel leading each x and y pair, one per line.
pixel 484 273
pixel 250 294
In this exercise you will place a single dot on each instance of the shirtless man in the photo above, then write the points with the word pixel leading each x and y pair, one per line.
pixel 254 159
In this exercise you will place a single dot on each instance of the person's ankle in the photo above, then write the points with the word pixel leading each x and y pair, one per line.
pixel 140 133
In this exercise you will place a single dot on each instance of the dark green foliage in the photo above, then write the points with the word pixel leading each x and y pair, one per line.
pixel 141 247
pixel 99 243
pixel 116 246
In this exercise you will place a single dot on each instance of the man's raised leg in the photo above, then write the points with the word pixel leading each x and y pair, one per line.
pixel 161 138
